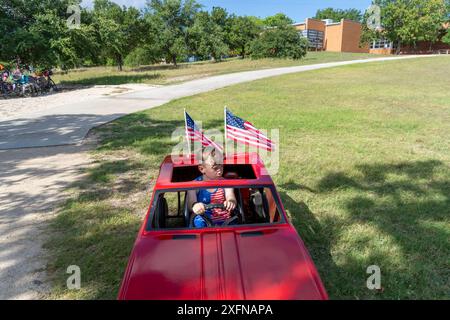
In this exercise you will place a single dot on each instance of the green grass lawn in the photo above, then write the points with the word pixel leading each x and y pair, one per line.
pixel 364 176
pixel 168 74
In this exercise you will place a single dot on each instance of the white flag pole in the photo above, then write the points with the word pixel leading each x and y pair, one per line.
pixel 187 133
pixel 226 136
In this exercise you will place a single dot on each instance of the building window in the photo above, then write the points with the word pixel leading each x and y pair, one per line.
pixel 315 38
pixel 382 44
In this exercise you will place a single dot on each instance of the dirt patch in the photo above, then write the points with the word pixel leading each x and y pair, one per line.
pixel 32 187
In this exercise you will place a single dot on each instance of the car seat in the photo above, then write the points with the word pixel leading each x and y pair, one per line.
pixel 161 212
pixel 260 206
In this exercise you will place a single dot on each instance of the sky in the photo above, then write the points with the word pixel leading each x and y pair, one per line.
pixel 297 10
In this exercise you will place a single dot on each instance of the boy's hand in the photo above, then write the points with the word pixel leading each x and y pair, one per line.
pixel 199 208
pixel 229 205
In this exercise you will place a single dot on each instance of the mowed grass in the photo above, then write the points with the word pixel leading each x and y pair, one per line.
pixel 364 175
pixel 168 74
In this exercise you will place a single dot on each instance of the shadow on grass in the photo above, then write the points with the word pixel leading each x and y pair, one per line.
pixel 146 135
pixel 113 79
pixel 408 204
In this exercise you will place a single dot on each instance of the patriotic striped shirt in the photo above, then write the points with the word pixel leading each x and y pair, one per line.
pixel 217 197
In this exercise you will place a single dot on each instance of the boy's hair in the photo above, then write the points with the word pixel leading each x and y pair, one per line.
pixel 211 153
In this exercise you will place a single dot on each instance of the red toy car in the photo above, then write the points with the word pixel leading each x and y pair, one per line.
pixel 259 257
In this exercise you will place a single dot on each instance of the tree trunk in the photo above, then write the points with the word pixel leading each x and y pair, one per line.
pixel 399 45
pixel 174 60
pixel 119 62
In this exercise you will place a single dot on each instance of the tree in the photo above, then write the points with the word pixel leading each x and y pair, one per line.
pixel 36 33
pixel 280 19
pixel 207 35
pixel 409 21
pixel 171 19
pixel 279 42
pixel 120 29
pixel 339 14
pixel 242 31
pixel 432 17
pixel 405 22
pixel 54 44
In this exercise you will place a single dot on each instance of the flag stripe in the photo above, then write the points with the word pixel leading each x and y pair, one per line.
pixel 244 132
pixel 245 135
pixel 255 141
pixel 256 134
pixel 194 134
pixel 249 142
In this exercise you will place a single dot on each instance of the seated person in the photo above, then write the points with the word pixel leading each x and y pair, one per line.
pixel 211 169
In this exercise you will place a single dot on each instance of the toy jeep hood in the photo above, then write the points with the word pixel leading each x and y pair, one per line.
pixel 222 264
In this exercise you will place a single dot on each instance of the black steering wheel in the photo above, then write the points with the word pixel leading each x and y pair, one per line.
pixel 208 221
pixel 214 206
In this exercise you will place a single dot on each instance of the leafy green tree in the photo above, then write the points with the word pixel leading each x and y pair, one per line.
pixel 36 32
pixel 279 42
pixel 220 16
pixel 16 19
pixel 279 19
pixel 257 21
pixel 242 31
pixel 207 36
pixel 171 20
pixel 54 44
pixel 119 28
pixel 339 14
pixel 409 21
pixel 432 17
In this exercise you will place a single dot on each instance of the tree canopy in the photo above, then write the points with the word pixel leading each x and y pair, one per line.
pixel 171 19
pixel 339 14
pixel 37 31
pixel 242 31
pixel 280 42
pixel 409 21
pixel 279 19
pixel 208 35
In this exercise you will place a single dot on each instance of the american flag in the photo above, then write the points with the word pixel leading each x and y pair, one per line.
pixel 195 134
pixel 244 132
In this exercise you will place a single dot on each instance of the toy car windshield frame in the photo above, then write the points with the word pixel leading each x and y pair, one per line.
pixel 158 192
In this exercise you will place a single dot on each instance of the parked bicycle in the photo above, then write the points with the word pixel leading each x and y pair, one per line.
pixel 46 83
pixel 22 84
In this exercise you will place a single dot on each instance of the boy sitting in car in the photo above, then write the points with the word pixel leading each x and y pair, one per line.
pixel 212 169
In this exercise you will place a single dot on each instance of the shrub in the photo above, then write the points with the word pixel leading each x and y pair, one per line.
pixel 279 42
pixel 446 38
pixel 140 56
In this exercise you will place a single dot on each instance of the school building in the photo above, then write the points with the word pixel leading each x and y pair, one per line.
pixel 344 36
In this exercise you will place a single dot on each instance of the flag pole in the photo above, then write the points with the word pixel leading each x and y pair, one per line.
pixel 187 134
pixel 226 136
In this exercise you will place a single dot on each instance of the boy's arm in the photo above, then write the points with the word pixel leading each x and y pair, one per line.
pixel 199 208
pixel 230 199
